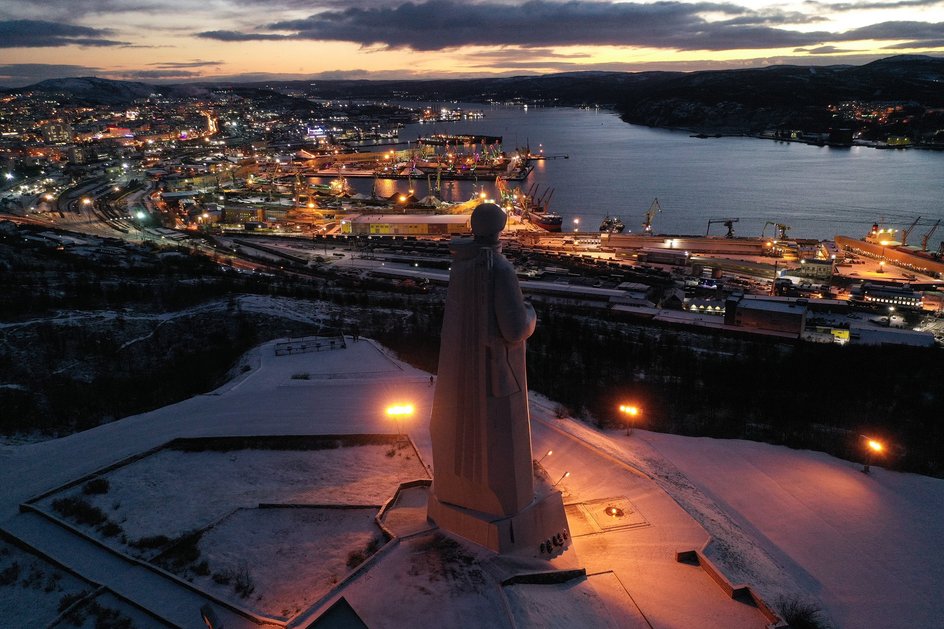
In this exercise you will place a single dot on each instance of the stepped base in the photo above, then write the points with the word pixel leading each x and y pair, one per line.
pixel 526 532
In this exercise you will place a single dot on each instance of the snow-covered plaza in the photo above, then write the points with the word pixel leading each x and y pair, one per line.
pixel 313 523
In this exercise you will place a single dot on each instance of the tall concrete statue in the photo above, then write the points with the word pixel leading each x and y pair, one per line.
pixel 480 426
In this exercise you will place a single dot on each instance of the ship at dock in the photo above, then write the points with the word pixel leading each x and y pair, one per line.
pixel 612 225
pixel 531 205
pixel 546 220
pixel 883 244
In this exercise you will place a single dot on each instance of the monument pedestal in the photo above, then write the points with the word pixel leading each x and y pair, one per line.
pixel 538 523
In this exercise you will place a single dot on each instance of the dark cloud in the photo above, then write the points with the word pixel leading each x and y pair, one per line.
pixel 448 24
pixel 872 4
pixel 40 34
pixel 168 65
pixel 155 75
pixel 444 24
pixel 823 50
pixel 894 30
pixel 515 54
pixel 237 36
pixel 770 18
pixel 538 64
pixel 67 10
pixel 925 43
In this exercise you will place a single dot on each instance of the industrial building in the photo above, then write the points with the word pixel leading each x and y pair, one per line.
pixel 893 296
pixel 821 269
pixel 407 225
pixel 766 313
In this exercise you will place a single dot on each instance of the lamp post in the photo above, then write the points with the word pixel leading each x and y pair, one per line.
pixel 563 476
pixel 872 447
pixel 398 412
pixel 631 412
pixel 546 454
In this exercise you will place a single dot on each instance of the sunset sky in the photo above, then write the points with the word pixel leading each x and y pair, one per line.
pixel 181 40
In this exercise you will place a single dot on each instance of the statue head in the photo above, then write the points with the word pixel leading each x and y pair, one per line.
pixel 488 220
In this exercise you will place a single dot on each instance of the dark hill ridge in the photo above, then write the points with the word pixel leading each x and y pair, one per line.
pixel 93 90
pixel 743 100
pixel 777 96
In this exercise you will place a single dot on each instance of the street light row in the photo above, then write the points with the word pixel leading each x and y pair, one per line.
pixel 404 410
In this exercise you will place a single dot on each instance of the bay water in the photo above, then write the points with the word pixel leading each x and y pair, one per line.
pixel 614 168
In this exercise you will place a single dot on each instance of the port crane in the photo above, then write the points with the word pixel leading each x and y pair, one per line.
pixel 780 230
pixel 727 222
pixel 654 209
pixel 906 232
pixel 542 203
pixel 927 236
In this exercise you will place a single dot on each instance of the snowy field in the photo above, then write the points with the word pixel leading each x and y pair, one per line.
pixel 106 611
pixel 193 511
pixel 33 590
pixel 868 546
pixel 173 492
pixel 289 557
pixel 34 593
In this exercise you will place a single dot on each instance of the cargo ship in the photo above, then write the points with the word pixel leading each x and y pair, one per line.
pixel 546 220
pixel 612 225
pixel 529 205
pixel 882 243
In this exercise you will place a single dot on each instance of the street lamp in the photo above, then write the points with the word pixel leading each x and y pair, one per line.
pixel 546 454
pixel 398 412
pixel 563 476
pixel 631 412
pixel 872 447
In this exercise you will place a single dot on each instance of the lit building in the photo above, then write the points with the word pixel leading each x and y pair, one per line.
pixel 407 224
pixel 880 295
pixel 57 133
pixel 822 269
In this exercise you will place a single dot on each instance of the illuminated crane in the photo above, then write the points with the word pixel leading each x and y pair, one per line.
pixel 780 230
pixel 654 209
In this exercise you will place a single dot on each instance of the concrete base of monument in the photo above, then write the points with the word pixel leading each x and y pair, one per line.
pixel 539 530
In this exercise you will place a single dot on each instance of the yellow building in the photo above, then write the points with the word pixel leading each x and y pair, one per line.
pixel 407 225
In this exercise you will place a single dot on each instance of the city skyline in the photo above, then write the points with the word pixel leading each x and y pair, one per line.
pixel 173 41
